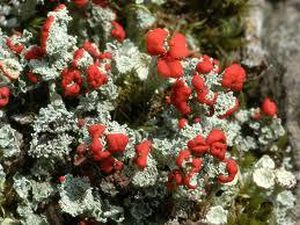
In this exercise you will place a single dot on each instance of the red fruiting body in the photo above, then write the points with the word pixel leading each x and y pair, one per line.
pixel 45 32
pixel 96 130
pixel 107 165
pixel 178 46
pixel 215 135
pixel 204 66
pixel 234 77
pixel 78 54
pixel 182 122
pixel 116 142
pixel 110 165
pixel 174 179
pixel 202 97
pixel 269 107
pixel 95 146
pixel 231 111
pixel 81 122
pixel 179 97
pixel 62 179
pixel 169 67
pixel 32 77
pixel 197 120
pixel 71 82
pixel 101 155
pixel 187 180
pixel 91 48
pixel 35 52
pixel 118 32
pixel 142 150
pixel 4 96
pixel 155 41
pixel 202 91
pixel 198 145
pixel 107 67
pixel 197 165
pixel 198 82
pixel 118 165
pixel 105 55
pixel 218 150
pixel 184 155
pixel 95 78
pixel 101 3
pixel 80 3
pixel 217 142
pixel 16 48
pixel 59 7
pixel 232 170
pixel 168 63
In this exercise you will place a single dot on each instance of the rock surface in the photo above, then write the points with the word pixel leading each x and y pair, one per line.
pixel 279 36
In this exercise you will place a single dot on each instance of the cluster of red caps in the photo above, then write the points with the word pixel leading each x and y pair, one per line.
pixel 4 96
pixel 268 108
pixel 118 31
pixel 72 81
pixel 170 52
pixel 115 145
pixel 181 92
pixel 189 161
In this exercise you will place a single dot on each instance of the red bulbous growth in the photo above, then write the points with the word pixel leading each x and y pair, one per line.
pixel 183 156
pixel 80 3
pixel 110 165
pixel 182 122
pixel 142 151
pixel 96 130
pixel 16 48
pixel 196 167
pixel 198 145
pixel 116 142
pixel 216 139
pixel 232 169
pixel 156 41
pixel 45 32
pixel 118 31
pixel 95 78
pixel 202 91
pixel 178 47
pixel 92 49
pixel 4 96
pixel 179 97
pixel 71 82
pixel 198 82
pixel 32 77
pixel 101 3
pixel 205 66
pixel 169 67
pixel 61 179
pixel 169 52
pixel 269 107
pixel 59 7
pixel 105 55
pixel 35 52
pixel 175 179
pixel 234 77
pixel 78 54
